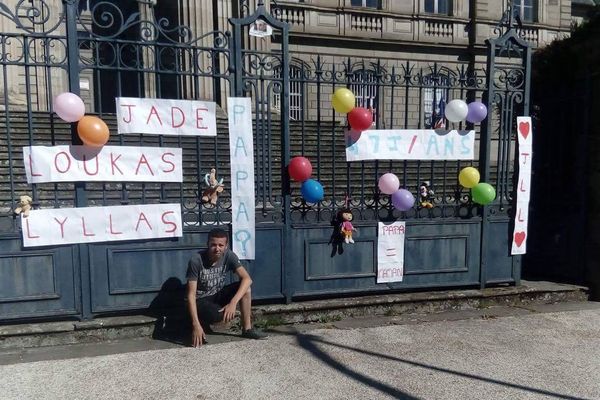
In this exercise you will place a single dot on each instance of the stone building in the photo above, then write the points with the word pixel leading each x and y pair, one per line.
pixel 451 33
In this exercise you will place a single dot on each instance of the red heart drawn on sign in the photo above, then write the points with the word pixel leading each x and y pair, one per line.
pixel 524 129
pixel 519 238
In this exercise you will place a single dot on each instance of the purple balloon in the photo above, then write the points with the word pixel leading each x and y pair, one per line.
pixel 477 112
pixel 403 200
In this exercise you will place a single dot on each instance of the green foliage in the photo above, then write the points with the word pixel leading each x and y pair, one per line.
pixel 568 59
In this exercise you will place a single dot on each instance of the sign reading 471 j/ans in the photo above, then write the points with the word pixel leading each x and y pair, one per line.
pixel 412 144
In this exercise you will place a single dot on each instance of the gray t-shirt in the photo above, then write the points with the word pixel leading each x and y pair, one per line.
pixel 210 279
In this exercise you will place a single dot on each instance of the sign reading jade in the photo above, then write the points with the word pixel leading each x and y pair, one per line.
pixel 412 144
pixel 241 150
pixel 59 226
pixel 166 117
pixel 107 163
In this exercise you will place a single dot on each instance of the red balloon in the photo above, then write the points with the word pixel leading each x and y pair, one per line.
pixel 300 169
pixel 360 118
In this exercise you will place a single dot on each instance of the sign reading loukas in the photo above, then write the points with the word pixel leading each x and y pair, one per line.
pixel 62 226
pixel 166 117
pixel 109 163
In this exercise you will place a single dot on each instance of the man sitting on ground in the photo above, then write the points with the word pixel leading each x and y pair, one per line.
pixel 209 300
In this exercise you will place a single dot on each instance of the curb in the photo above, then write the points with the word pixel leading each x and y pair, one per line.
pixel 112 328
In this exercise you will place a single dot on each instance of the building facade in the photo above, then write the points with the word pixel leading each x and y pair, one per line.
pixel 403 60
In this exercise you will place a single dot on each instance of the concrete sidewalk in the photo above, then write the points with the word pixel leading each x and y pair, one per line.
pixel 536 352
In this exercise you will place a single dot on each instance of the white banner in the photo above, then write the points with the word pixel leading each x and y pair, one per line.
pixel 166 117
pixel 390 252
pixel 107 163
pixel 101 224
pixel 241 150
pixel 525 154
pixel 411 144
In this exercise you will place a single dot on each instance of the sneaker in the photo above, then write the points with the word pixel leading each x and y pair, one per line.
pixel 254 334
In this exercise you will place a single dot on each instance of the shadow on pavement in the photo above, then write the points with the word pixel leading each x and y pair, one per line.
pixel 310 344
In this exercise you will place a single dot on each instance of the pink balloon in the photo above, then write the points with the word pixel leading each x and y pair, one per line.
pixel 389 183
pixel 69 107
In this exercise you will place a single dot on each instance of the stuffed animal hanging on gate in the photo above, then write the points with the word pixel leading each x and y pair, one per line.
pixel 426 195
pixel 215 187
pixel 24 206
pixel 346 228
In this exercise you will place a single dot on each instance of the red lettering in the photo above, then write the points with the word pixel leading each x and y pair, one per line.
pixel 162 217
pixel 129 109
pixel 31 167
pixel 85 166
pixel 199 118
pixel 168 162
pixel 85 232
pixel 56 162
pixel 62 226
pixel 143 161
pixel 519 217
pixel 173 117
pixel 521 188
pixel 412 144
pixel 110 223
pixel 29 235
pixel 154 112
pixel 142 217
pixel 525 160
pixel 113 164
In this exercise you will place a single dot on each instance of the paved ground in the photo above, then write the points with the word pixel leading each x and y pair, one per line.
pixel 548 352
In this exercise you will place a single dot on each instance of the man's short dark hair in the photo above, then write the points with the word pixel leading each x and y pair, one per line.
pixel 218 233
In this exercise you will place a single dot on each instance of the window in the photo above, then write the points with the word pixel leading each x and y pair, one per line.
pixel 526 10
pixel 296 93
pixel 438 6
pixel 434 102
pixel 365 3
pixel 364 87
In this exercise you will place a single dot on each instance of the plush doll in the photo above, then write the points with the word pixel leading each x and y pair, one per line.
pixel 24 206
pixel 346 228
pixel 215 187
pixel 426 195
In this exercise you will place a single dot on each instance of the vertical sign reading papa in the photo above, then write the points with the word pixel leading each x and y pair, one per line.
pixel 241 150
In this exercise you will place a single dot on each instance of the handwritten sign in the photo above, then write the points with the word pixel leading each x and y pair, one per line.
pixel 525 137
pixel 166 117
pixel 108 163
pixel 390 252
pixel 101 224
pixel 411 144
pixel 241 150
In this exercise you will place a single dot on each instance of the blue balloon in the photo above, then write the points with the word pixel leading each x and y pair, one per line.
pixel 312 191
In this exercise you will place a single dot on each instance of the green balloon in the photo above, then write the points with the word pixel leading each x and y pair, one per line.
pixel 483 193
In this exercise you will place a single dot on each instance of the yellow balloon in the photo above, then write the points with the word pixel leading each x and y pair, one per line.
pixel 469 177
pixel 343 100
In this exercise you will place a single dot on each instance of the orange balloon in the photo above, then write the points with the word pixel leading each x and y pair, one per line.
pixel 92 131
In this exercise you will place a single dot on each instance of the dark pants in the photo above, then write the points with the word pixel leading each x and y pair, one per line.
pixel 208 307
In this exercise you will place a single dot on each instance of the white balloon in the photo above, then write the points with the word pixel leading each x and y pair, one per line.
pixel 456 110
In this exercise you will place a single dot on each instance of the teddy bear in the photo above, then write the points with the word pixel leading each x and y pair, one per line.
pixel 24 205
pixel 210 194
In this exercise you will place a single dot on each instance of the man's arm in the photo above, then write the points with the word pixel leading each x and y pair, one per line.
pixel 245 283
pixel 197 331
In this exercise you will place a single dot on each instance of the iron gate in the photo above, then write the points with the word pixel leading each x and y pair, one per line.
pixel 138 49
